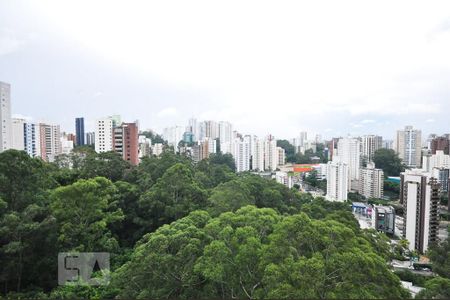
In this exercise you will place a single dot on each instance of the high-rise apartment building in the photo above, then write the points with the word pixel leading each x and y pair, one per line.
pixel 241 154
pixel 5 117
pixel 408 145
pixel 257 154
pixel 270 154
pixel 50 141
pixel 337 180
pixel 18 133
pixel 440 144
pixel 104 134
pixel 349 152
pixel 173 135
pixel 370 144
pixel 225 132
pixel 32 139
pixel 79 131
pixel 437 160
pixel 90 138
pixel 211 129
pixel 281 156
pixel 419 194
pixel 371 182
pixel 126 142
pixel 193 127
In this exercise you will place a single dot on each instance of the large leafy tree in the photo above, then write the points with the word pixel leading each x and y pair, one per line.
pixel 174 195
pixel 83 211
pixel 436 288
pixel 389 162
pixel 255 253
pixel 229 196
pixel 26 230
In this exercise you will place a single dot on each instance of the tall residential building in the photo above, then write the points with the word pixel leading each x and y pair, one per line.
pixel 104 134
pixel 18 133
pixel 5 116
pixel 67 143
pixel 211 129
pixel 257 154
pixel 348 150
pixel 270 154
pixel 337 181
pixel 440 144
pixel 241 154
pixel 370 144
pixel 32 139
pixel 145 145
pixel 408 145
pixel 50 141
pixel 90 138
pixel 225 132
pixel 193 127
pixel 437 160
pixel 79 131
pixel 371 182
pixel 173 135
pixel 126 142
pixel 281 156
pixel 419 194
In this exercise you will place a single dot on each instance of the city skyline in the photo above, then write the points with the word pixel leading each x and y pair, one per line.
pixel 373 78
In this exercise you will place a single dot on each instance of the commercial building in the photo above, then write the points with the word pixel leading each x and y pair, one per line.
pixel 371 182
pixel 419 194
pixel 383 219
pixel 5 117
pixel 408 145
pixel 79 131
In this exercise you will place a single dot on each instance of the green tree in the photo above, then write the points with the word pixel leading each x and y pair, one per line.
pixel 436 288
pixel 289 150
pixel 174 195
pixel 83 211
pixel 439 254
pixel 223 159
pixel 107 164
pixel 389 162
pixel 229 196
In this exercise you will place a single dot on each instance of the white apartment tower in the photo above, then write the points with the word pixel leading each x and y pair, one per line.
pixel 104 134
pixel 349 153
pixel 408 145
pixel 257 154
pixel 32 139
pixel 242 154
pixel 18 134
pixel 371 182
pixel 370 144
pixel 270 154
pixel 5 116
pixel 225 132
pixel 337 181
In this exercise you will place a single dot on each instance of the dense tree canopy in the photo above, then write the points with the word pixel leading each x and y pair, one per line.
pixel 176 228
pixel 255 253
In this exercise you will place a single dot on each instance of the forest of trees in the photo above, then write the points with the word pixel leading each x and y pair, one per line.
pixel 176 229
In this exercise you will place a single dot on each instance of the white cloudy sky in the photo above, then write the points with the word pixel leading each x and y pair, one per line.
pixel 332 67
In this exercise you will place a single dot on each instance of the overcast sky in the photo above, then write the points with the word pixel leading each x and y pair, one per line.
pixel 280 67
